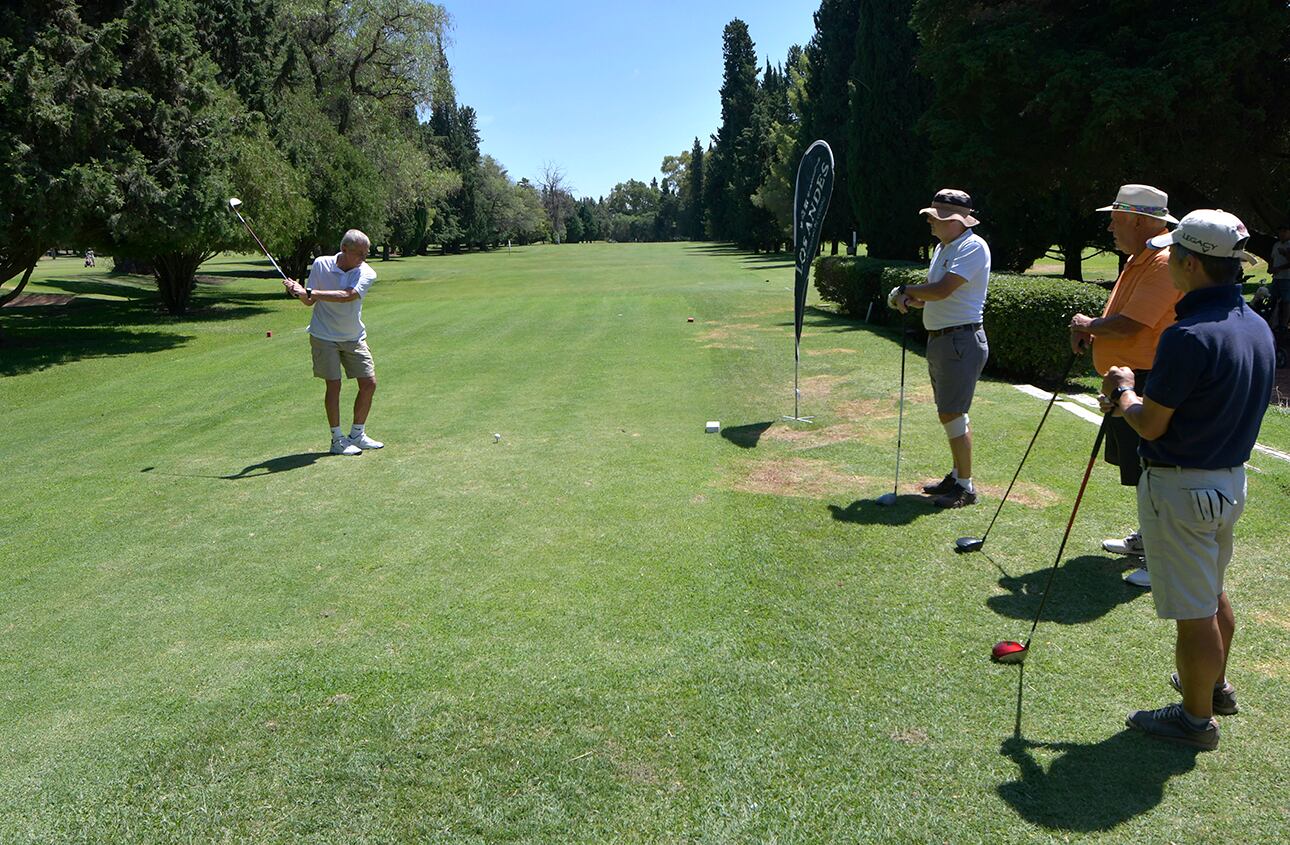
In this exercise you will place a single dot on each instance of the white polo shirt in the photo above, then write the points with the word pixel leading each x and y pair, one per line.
pixel 967 256
pixel 339 321
pixel 1280 254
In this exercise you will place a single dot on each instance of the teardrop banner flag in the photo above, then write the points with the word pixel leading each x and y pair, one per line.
pixel 811 197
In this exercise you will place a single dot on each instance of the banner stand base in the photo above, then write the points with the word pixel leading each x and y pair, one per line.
pixel 809 420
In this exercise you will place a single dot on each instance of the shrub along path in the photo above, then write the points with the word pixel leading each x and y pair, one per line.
pixel 608 626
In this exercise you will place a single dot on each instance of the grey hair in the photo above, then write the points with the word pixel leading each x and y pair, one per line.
pixel 355 238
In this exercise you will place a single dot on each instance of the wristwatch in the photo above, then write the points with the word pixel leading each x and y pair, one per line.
pixel 1117 393
pixel 309 293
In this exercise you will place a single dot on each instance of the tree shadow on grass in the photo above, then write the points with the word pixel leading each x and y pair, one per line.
pixel 746 436
pixel 1084 589
pixel 868 512
pixel 1092 787
pixel 820 318
pixel 41 337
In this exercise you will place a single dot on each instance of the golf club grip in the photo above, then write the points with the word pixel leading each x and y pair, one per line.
pixel 1088 471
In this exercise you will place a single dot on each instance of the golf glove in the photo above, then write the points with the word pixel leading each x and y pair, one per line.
pixel 893 296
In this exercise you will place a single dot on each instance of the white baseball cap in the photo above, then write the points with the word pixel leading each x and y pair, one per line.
pixel 1209 231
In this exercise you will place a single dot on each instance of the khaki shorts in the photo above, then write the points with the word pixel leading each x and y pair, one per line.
pixel 1187 517
pixel 330 355
pixel 954 364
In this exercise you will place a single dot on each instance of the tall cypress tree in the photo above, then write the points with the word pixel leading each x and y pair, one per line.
pixel 693 216
pixel 831 53
pixel 882 142
pixel 734 166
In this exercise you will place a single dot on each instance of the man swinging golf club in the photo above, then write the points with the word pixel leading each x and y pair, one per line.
pixel 1140 307
pixel 335 290
pixel 1198 416
pixel 953 301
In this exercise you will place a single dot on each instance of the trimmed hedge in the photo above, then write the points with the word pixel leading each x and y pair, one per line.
pixel 1026 317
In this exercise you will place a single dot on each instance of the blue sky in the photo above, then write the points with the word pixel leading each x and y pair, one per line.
pixel 603 89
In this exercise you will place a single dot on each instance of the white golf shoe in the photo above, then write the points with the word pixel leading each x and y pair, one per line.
pixel 1131 545
pixel 365 443
pixel 342 446
pixel 1139 578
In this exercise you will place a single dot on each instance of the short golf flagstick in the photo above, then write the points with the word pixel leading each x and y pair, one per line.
pixel 1009 651
pixel 972 544
pixel 233 204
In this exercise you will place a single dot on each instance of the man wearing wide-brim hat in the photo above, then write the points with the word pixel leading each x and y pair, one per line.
pixel 953 302
pixel 1140 307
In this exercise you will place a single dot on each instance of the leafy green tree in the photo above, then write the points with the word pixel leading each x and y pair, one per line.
pixel 59 101
pixel 1078 98
pixel 830 55
pixel 775 194
pixel 887 157
pixel 692 209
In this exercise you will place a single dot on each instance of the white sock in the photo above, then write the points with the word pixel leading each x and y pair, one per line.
pixel 356 431
pixel 954 473
pixel 966 484
pixel 336 433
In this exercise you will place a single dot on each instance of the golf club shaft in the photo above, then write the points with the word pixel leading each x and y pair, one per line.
pixel 900 414
pixel 1088 470
pixel 263 248
pixel 1066 375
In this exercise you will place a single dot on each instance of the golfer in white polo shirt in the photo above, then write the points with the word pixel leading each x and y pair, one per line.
pixel 953 301
pixel 338 339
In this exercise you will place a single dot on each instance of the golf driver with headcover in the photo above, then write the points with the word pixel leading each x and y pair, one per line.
pixel 1011 651
pixel 975 544
pixel 890 498
pixel 235 204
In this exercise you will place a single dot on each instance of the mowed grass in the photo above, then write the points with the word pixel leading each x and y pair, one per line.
pixel 608 626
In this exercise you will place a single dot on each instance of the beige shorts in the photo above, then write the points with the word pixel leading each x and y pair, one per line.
pixel 330 355
pixel 1187 517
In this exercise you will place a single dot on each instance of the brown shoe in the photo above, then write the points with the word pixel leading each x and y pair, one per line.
pixel 940 488
pixel 959 497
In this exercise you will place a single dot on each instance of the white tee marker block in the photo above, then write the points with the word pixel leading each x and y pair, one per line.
pixel 712 427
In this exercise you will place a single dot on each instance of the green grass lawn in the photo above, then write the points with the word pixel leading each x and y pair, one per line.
pixel 608 626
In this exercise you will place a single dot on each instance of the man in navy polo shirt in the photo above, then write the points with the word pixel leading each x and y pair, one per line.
pixel 1198 416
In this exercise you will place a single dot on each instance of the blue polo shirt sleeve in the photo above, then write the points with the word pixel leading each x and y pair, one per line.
pixel 1180 362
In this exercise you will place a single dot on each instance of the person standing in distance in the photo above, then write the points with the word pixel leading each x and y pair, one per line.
pixel 1198 415
pixel 1279 267
pixel 335 290
pixel 953 302
pixel 1140 307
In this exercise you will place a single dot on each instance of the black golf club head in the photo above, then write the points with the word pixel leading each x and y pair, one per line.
pixel 964 545
pixel 887 499
pixel 1009 652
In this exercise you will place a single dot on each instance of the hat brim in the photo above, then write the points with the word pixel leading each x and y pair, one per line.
pixel 1171 238
pixel 1166 217
pixel 966 219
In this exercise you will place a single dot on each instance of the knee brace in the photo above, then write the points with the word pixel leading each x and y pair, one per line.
pixel 956 427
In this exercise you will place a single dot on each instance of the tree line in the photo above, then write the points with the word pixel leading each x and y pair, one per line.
pixel 1040 110
pixel 127 125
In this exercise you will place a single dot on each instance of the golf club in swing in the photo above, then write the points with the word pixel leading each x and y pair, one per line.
pixel 890 498
pixel 234 203
pixel 974 544
pixel 1011 651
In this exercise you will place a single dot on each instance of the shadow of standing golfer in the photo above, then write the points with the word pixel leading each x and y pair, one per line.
pixel 1092 787
pixel 1084 589
pixel 273 465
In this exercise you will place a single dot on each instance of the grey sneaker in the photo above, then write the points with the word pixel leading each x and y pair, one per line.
pixel 342 446
pixel 1171 724
pixel 1224 696
pixel 1131 545
pixel 958 497
pixel 1139 577
pixel 940 488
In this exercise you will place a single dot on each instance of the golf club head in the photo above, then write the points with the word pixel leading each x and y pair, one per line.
pixel 1008 651
pixel 234 203
pixel 968 544
pixel 887 499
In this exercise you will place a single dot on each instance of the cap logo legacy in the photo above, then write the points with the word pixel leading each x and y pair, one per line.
pixel 1192 241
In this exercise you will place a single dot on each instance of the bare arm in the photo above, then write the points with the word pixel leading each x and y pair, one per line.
pixel 1147 417
pixel 933 291
pixel 1116 325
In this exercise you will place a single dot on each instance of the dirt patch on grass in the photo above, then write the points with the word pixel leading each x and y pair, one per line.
pixel 729 331
pixel 820 353
pixel 910 736
pixel 858 410
pixel 29 300
pixel 1276 620
pixel 798 477
pixel 1277 670
pixel 820 387
pixel 727 346
pixel 810 438
pixel 1023 493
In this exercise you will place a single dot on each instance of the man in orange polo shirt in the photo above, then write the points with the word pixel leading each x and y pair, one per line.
pixel 1140 308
